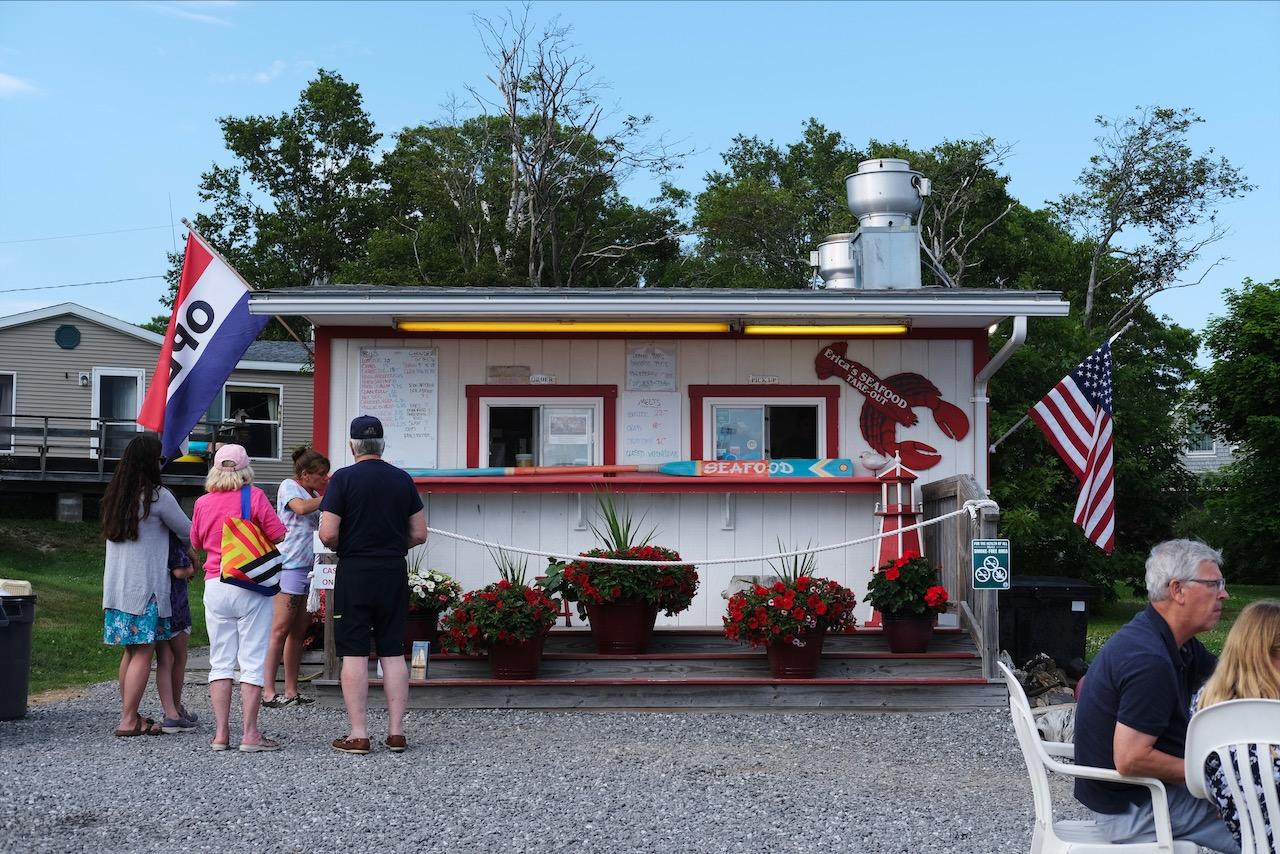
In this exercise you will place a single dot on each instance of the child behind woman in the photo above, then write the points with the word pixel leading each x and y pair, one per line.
pixel 171 654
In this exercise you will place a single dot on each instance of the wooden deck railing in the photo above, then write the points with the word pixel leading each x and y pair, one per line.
pixel 53 442
pixel 947 545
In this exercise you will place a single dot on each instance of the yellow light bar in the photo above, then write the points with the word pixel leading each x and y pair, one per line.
pixel 860 329
pixel 556 326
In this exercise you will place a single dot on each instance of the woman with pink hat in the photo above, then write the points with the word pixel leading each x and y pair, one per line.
pixel 238 616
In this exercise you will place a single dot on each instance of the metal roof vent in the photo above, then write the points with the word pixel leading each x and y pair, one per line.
pixel 884 253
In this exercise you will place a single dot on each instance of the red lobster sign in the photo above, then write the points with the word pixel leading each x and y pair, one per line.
pixel 889 403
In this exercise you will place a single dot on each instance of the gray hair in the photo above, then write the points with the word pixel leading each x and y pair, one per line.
pixel 1176 559
pixel 366 447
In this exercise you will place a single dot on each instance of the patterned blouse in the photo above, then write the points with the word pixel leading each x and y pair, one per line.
pixel 1220 792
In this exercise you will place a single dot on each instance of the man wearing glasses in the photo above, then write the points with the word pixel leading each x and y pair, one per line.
pixel 1135 702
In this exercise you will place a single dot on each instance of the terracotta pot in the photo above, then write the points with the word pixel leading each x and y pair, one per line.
pixel 907 632
pixel 517 659
pixel 788 661
pixel 421 626
pixel 621 628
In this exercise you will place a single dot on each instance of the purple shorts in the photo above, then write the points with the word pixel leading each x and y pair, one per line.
pixel 294 581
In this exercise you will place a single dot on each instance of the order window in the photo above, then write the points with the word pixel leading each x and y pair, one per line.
pixel 527 433
pixel 764 431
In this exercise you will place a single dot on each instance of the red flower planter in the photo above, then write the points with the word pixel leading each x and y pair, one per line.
pixel 516 659
pixel 788 661
pixel 621 628
pixel 907 633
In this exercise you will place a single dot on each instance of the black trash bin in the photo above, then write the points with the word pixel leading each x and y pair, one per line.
pixel 17 613
pixel 1045 613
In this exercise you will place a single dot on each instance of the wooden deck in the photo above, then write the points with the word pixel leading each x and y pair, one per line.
pixel 699 670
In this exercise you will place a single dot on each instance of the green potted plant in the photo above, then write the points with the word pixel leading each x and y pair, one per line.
pixel 791 616
pixel 431 593
pixel 508 620
pixel 621 601
pixel 909 598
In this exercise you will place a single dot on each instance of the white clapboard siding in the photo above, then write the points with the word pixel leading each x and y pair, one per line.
pixel 694 524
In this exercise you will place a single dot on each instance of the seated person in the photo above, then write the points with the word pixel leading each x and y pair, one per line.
pixel 1134 705
pixel 1249 668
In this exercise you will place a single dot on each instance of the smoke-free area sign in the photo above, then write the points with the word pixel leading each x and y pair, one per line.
pixel 990 564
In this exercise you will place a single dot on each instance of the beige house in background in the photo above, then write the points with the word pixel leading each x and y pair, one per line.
pixel 71 382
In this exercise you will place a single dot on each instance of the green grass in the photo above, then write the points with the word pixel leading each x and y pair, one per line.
pixel 64 561
pixel 1107 617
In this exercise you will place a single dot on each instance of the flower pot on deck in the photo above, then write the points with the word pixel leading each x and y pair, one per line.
pixel 516 659
pixel 907 633
pixel 421 626
pixel 789 661
pixel 621 628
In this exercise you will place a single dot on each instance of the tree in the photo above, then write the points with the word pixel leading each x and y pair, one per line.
pixel 1238 397
pixel 300 197
pixel 1147 204
pixel 562 161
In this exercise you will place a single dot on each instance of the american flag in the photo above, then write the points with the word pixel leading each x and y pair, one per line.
pixel 1076 417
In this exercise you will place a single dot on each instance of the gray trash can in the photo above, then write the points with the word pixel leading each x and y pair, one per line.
pixel 17 614
pixel 1045 613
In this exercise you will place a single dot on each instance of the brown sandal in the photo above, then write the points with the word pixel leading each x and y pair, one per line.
pixel 146 726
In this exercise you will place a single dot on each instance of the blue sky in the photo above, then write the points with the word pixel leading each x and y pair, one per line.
pixel 108 112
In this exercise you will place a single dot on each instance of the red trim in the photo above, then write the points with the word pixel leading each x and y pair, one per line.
pixel 698 393
pixel 877 681
pixel 655 483
pixel 608 419
pixel 320 391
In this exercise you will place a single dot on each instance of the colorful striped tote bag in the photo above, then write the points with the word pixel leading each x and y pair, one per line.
pixel 249 559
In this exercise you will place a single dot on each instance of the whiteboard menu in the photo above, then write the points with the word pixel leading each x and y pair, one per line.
pixel 650 428
pixel 651 367
pixel 400 385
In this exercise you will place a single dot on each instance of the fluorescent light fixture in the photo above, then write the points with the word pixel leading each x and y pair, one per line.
pixel 627 326
pixel 825 329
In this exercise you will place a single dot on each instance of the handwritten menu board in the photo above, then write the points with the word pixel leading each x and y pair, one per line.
pixel 400 386
pixel 650 427
pixel 651 367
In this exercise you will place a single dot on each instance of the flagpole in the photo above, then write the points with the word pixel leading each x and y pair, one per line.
pixel 205 243
pixel 991 449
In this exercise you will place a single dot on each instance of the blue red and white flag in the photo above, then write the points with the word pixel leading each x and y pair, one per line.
pixel 1076 417
pixel 209 332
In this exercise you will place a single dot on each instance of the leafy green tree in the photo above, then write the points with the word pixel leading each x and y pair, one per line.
pixel 1147 204
pixel 158 324
pixel 1238 397
pixel 300 196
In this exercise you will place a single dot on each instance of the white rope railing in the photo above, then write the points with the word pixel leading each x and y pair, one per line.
pixel 971 507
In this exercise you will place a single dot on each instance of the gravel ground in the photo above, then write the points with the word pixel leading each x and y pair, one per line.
pixel 500 781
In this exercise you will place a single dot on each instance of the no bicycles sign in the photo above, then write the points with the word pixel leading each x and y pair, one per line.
pixel 990 564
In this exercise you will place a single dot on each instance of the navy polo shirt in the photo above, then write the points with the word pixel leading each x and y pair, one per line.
pixel 1143 680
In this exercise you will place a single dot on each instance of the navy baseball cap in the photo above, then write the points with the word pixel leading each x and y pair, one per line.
pixel 366 427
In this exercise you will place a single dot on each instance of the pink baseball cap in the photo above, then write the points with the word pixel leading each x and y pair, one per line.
pixel 231 458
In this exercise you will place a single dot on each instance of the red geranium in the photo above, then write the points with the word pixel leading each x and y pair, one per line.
pixel 907 585
pixel 505 611
pixel 790 608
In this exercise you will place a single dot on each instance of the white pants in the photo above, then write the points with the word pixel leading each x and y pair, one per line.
pixel 239 623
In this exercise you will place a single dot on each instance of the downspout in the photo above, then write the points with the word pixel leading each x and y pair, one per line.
pixel 981 452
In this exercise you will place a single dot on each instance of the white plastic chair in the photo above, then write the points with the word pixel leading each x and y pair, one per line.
pixel 1239 724
pixel 1078 837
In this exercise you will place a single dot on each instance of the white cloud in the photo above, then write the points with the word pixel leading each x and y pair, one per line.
pixel 277 68
pixel 189 10
pixel 13 87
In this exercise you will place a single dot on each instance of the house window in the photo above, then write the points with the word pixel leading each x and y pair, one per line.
pixel 117 394
pixel 748 422
pixel 511 425
pixel 8 396
pixel 1199 440
pixel 249 415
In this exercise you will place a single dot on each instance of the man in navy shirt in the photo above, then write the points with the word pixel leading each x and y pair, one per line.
pixel 1135 701
pixel 371 516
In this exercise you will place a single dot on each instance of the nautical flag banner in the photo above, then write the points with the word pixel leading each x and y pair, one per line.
pixel 208 334
pixel 1076 417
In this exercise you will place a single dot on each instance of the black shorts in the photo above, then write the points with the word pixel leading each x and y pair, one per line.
pixel 368 600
